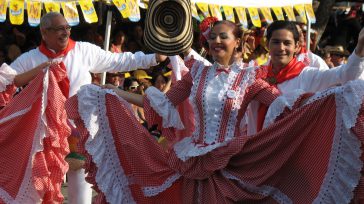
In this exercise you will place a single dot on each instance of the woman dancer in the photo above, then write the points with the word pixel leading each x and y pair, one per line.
pixel 217 163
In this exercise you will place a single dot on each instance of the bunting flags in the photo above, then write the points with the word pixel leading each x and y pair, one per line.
pixel 130 9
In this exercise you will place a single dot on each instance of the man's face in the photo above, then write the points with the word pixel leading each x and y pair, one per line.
pixel 56 36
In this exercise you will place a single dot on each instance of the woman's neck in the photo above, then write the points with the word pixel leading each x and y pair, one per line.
pixel 226 62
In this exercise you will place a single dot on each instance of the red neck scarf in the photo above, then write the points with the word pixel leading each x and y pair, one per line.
pixel 290 71
pixel 64 85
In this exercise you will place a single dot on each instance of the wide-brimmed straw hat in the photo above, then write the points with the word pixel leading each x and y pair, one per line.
pixel 168 27
pixel 337 49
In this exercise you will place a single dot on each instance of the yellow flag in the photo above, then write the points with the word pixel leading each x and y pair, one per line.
pixel 240 11
pixel 229 13
pixel 70 13
pixel 267 14
pixel 194 12
pixel 290 13
pixel 88 11
pixel 254 16
pixel 279 13
pixel 300 8
pixel 52 7
pixel 123 7
pixel 34 9
pixel 310 13
pixel 16 12
pixel 204 8
pixel 3 8
pixel 134 11
pixel 215 11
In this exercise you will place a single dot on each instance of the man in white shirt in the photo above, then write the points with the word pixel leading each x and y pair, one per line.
pixel 78 58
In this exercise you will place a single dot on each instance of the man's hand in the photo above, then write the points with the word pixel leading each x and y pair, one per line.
pixel 160 57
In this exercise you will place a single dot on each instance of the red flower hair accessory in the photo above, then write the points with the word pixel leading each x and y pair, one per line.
pixel 205 28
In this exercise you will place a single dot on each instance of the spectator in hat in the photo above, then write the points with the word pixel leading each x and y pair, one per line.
pixel 143 79
pixel 338 54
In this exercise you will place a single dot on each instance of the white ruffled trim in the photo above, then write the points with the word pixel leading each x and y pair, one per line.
pixel 345 164
pixel 353 95
pixel 186 148
pixel 155 190
pixel 279 104
pixel 264 190
pixel 7 75
pixel 161 104
pixel 110 176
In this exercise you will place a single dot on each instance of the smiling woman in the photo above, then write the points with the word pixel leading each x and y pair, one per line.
pixel 218 162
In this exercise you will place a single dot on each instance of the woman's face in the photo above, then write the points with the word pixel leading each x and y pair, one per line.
pixel 133 87
pixel 282 47
pixel 160 83
pixel 222 43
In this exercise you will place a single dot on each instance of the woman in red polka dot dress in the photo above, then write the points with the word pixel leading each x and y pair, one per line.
pixel 293 160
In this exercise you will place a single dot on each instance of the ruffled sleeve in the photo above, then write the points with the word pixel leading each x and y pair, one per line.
pixel 7 87
pixel 160 109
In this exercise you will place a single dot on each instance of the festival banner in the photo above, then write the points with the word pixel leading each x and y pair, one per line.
pixel 194 12
pixel 254 16
pixel 34 9
pixel 279 13
pixel 88 11
pixel 52 6
pixel 123 8
pixel 204 8
pixel 134 11
pixel 229 13
pixel 16 12
pixel 290 13
pixel 300 8
pixel 3 9
pixel 70 13
pixel 240 11
pixel 267 14
pixel 311 14
pixel 215 11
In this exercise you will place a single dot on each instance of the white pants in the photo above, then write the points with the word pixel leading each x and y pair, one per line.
pixel 79 191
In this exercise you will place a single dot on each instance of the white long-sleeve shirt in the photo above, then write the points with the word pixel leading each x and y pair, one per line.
pixel 312 79
pixel 84 58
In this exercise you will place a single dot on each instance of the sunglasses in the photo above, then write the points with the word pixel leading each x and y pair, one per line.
pixel 60 28
pixel 133 87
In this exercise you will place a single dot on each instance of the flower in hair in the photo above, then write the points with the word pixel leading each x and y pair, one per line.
pixel 205 28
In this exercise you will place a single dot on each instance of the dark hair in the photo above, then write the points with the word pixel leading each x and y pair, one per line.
pixel 156 75
pixel 128 82
pixel 237 32
pixel 279 25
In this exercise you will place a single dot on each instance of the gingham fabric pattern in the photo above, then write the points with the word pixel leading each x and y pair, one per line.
pixel 34 131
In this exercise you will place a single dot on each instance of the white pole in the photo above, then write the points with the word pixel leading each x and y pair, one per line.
pixel 308 33
pixel 107 40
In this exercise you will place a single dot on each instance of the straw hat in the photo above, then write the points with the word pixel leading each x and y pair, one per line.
pixel 168 27
pixel 141 74
pixel 337 49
